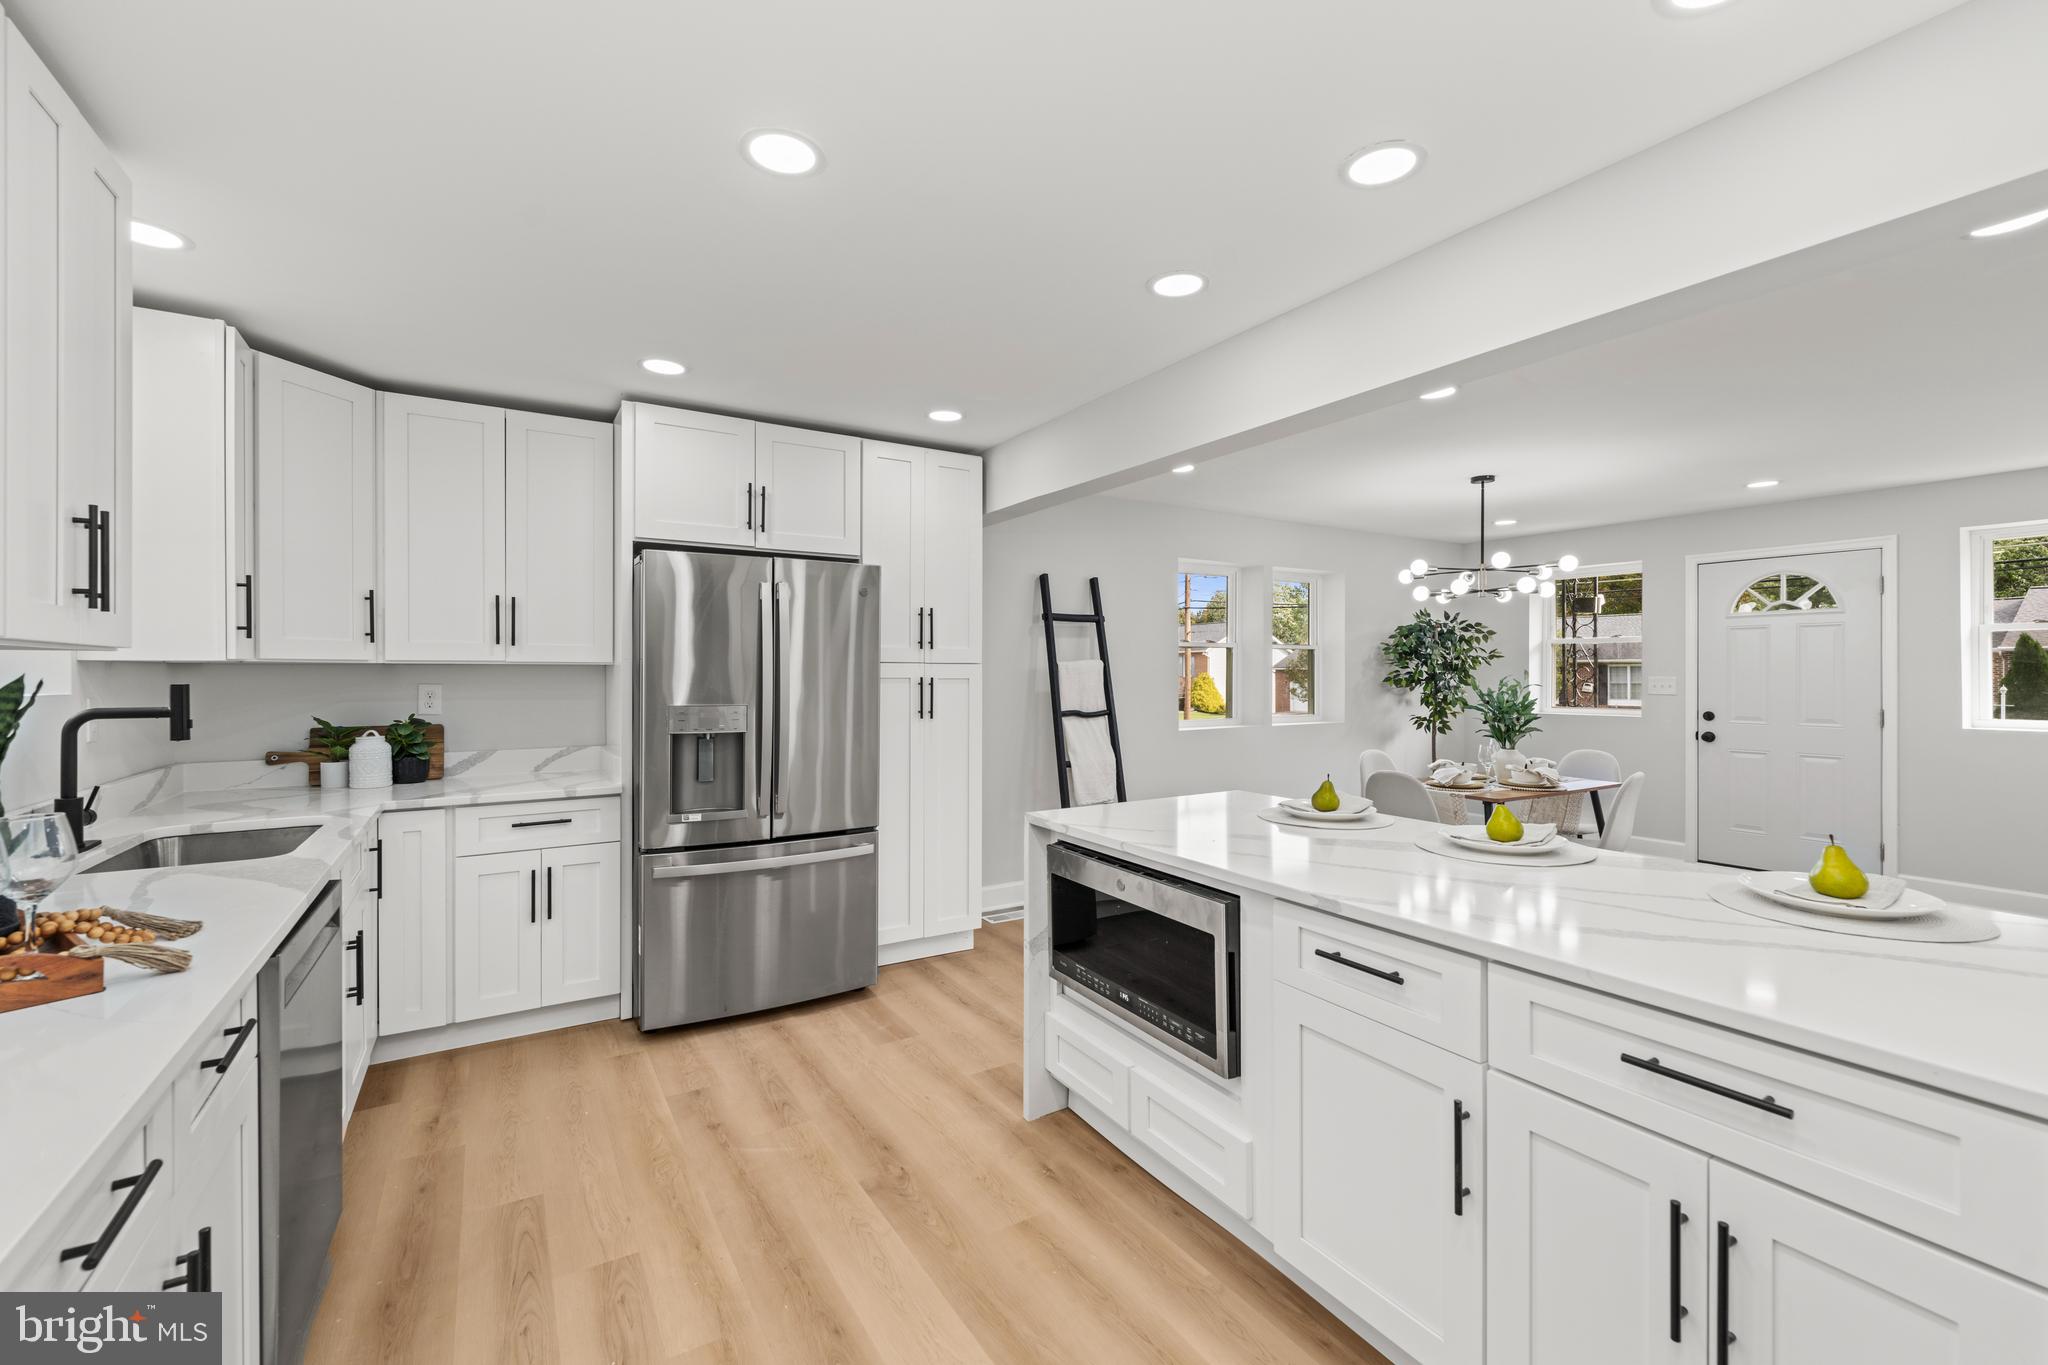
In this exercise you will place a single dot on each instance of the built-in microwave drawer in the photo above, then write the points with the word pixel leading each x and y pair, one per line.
pixel 536 824
pixel 1425 991
pixel 1952 1171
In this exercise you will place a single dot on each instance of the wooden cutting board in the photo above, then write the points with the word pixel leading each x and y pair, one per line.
pixel 436 753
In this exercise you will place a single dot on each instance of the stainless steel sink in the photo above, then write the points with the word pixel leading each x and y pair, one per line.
pixel 213 846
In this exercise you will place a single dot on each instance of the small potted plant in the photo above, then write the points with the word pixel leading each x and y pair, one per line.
pixel 1507 712
pixel 15 700
pixel 331 742
pixel 410 749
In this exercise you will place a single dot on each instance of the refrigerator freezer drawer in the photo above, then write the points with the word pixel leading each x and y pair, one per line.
pixel 731 930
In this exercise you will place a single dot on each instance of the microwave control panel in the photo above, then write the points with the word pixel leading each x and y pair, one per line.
pixel 1200 1039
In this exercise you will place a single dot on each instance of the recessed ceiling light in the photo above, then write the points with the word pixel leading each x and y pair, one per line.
pixel 1692 6
pixel 1438 395
pixel 1764 483
pixel 656 365
pixel 1183 469
pixel 148 234
pixel 1505 521
pixel 782 153
pixel 943 415
pixel 2012 224
pixel 1382 165
pixel 1178 285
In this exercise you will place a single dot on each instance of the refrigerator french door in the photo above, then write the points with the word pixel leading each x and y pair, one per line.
pixel 757 700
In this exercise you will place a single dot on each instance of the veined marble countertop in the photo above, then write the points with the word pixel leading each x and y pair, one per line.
pixel 78 1072
pixel 1968 1018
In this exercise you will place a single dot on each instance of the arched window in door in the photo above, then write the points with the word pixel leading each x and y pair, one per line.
pixel 1785 592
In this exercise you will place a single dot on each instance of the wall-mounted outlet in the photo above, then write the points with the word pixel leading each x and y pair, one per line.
pixel 430 699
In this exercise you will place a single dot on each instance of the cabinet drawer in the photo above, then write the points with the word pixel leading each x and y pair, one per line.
pixel 221 1048
pixel 1191 1133
pixel 1956 1173
pixel 1087 1059
pixel 536 824
pixel 1426 992
pixel 84 1221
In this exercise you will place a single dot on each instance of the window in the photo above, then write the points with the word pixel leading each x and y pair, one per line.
pixel 1202 601
pixel 2006 657
pixel 1297 608
pixel 1588 642
pixel 1785 592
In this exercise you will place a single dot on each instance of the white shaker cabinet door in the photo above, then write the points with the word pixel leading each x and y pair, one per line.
pixel 809 491
pixel 1597 1237
pixel 497 942
pixel 949 800
pixel 240 399
pixel 949 526
pixel 1372 1131
pixel 1807 1284
pixel 899 884
pixel 693 476
pixel 442 483
pixel 316 515
pixel 558 540
pixel 579 940
pixel 891 487
pixel 412 921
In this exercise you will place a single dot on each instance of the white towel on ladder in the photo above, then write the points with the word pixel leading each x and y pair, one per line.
pixel 1091 762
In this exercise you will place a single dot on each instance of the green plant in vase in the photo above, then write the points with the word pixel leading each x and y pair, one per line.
pixel 15 701
pixel 410 749
pixel 331 742
pixel 1507 713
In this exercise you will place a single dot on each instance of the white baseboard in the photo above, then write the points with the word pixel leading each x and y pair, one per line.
pixel 916 948
pixel 469 1033
pixel 1658 848
pixel 1000 897
pixel 2033 903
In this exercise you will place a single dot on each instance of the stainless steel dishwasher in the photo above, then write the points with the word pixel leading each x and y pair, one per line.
pixel 298 1000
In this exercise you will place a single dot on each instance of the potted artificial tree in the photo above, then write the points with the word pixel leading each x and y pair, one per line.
pixel 410 749
pixel 1507 712
pixel 1438 658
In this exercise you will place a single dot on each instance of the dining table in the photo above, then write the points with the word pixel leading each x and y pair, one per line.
pixel 1491 794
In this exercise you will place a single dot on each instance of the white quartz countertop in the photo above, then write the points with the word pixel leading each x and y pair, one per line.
pixel 1968 1018
pixel 79 1071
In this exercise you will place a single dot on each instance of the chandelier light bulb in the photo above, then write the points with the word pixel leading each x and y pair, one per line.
pixel 1404 577
pixel 1421 593
pixel 1566 563
pixel 1461 585
pixel 1525 584
pixel 1443 596
pixel 1419 567
pixel 1543 573
pixel 1501 559
pixel 1546 589
pixel 1504 595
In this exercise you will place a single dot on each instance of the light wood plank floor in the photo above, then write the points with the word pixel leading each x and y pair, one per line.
pixel 842 1181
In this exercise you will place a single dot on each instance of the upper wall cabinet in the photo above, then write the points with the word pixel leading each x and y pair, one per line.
pixel 316 515
pixel 65 564
pixel 701 479
pixel 921 522
pixel 497 534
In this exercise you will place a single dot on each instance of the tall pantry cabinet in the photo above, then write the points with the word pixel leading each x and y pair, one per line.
pixel 921 523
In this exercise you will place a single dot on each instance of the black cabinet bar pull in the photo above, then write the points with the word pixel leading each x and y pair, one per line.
pixel 107 560
pixel 355 945
pixel 1343 961
pixel 1678 1309
pixel 515 621
pixel 935 700
pixel 750 507
pixel 137 1186
pixel 378 889
pixel 764 509
pixel 91 522
pixel 497 618
pixel 198 1264
pixel 932 616
pixel 532 898
pixel 551 892
pixel 920 698
pixel 1723 1240
pixel 920 627
pixel 248 587
pixel 529 824
pixel 1460 1191
pixel 227 1059
pixel 371 598
pixel 1768 1103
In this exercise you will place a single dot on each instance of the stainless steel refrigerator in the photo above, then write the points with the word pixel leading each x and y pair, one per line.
pixel 757 736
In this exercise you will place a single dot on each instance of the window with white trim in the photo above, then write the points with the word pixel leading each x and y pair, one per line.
pixel 2005 662
pixel 1204 598
pixel 1586 642
pixel 1297 611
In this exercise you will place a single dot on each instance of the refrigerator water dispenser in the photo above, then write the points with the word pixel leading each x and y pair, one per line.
pixel 711 763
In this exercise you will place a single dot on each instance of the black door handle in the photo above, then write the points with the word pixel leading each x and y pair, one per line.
pixel 198 1263
pixel 932 614
pixel 1769 1103
pixel 1724 1239
pixel 1706 736
pixel 934 701
pixel 550 880
pixel 1678 1309
pixel 137 1186
pixel 91 522
pixel 248 586
pixel 1460 1191
pixel 107 560
pixel 750 507
pixel 371 598
pixel 920 627
pixel 227 1059
pixel 1344 961
pixel 532 898
pixel 920 698
pixel 764 509
pixel 355 945
pixel 497 618
pixel 515 621
pixel 378 889
pixel 529 824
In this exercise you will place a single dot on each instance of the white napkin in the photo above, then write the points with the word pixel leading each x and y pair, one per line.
pixel 1533 836
pixel 1091 762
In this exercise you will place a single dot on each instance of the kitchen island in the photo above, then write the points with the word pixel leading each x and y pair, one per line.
pixel 1465 1090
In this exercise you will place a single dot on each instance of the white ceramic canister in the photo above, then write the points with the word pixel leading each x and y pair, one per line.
pixel 334 775
pixel 369 761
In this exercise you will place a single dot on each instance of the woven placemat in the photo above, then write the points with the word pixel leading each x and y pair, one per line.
pixel 1950 924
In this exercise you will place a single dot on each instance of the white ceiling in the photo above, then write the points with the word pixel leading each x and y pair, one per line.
pixel 1921 365
pixel 522 199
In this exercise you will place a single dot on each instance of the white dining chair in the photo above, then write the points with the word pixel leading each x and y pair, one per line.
pixel 1621 816
pixel 1396 793
pixel 1597 764
pixel 1372 761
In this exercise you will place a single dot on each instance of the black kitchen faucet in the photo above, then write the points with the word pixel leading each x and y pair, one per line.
pixel 80 813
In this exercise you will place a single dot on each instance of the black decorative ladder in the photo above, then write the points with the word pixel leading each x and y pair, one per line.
pixel 1060 715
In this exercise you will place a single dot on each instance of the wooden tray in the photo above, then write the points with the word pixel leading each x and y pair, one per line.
pixel 437 751
pixel 62 978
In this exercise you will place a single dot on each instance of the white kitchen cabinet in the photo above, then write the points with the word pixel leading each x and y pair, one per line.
pixel 693 475
pixel 809 491
pixel 65 559
pixel 558 540
pixel 921 522
pixel 316 515
pixel 359 991
pixel 442 533
pixel 1806 1282
pixel 214 1237
pixel 193 509
pixel 929 831
pixel 497 934
pixel 579 923
pixel 1376 1170
pixel 1598 1237
pixel 412 921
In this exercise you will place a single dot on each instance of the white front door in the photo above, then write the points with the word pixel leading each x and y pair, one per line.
pixel 1789 726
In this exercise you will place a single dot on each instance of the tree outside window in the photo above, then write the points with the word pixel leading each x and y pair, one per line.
pixel 1594 627
pixel 1202 608
pixel 2012 649
pixel 1294 654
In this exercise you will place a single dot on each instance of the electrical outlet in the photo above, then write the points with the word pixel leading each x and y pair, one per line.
pixel 1660 686
pixel 430 699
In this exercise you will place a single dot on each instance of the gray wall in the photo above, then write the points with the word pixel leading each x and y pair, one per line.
pixel 116 749
pixel 1943 832
pixel 1135 548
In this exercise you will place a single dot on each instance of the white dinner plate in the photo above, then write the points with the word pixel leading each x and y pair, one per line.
pixel 1535 838
pixel 1905 904
pixel 1348 808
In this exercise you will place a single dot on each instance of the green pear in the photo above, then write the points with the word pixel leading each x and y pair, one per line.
pixel 1502 826
pixel 1837 875
pixel 1325 798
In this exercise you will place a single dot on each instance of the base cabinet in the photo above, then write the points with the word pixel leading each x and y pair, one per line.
pixel 929 834
pixel 215 1234
pixel 412 921
pixel 359 992
pixel 535 927
pixel 1376 1169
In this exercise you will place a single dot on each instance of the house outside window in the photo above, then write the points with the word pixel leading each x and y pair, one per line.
pixel 2005 659
pixel 1297 609
pixel 1203 599
pixel 1587 654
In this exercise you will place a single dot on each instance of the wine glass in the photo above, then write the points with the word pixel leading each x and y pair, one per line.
pixel 37 855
